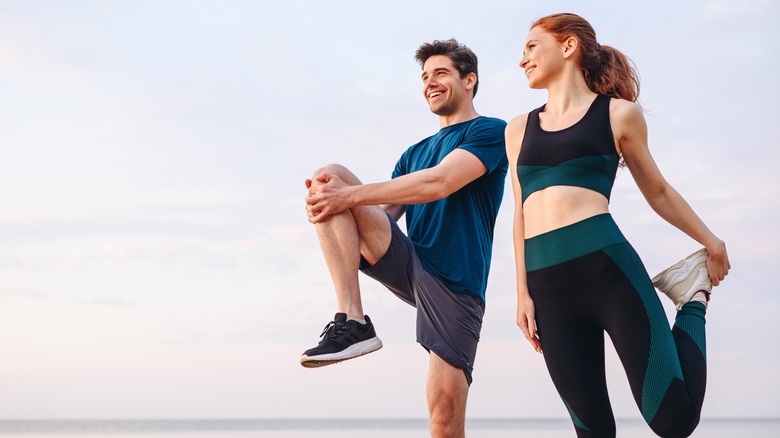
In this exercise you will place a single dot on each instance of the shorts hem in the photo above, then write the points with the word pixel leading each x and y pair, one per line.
pixel 467 370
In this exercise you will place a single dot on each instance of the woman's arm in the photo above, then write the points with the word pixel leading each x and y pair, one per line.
pixel 630 130
pixel 525 305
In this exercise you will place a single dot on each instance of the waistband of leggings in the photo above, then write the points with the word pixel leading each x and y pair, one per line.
pixel 571 242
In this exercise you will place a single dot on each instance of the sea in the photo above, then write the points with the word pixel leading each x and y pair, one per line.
pixel 357 428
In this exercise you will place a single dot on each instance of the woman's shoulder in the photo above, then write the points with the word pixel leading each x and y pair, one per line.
pixel 517 123
pixel 514 133
pixel 624 108
pixel 625 115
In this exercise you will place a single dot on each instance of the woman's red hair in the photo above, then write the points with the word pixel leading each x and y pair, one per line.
pixel 607 71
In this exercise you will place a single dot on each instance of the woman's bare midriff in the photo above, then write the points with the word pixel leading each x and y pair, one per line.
pixel 559 206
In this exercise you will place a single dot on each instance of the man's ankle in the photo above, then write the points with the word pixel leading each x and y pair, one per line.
pixel 359 320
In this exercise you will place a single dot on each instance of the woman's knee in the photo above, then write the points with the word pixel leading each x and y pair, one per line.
pixel 681 426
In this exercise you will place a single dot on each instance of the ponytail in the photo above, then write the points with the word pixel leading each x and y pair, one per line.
pixel 615 75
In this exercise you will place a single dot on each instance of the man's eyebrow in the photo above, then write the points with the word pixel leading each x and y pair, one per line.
pixel 435 70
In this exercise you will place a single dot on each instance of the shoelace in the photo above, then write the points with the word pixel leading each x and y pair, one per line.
pixel 327 328
pixel 333 330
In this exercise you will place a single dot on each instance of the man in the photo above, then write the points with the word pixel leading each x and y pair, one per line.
pixel 450 186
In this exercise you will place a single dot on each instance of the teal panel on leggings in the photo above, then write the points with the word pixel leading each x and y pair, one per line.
pixel 663 362
pixel 571 242
pixel 577 422
pixel 690 319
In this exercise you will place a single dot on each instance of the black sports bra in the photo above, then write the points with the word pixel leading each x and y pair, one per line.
pixel 582 155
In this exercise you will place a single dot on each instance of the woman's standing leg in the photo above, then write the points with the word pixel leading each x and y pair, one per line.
pixel 573 349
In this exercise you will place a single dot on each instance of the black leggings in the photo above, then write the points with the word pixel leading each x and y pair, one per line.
pixel 586 279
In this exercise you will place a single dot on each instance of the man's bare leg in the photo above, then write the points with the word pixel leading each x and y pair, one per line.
pixel 447 392
pixel 340 245
pixel 343 238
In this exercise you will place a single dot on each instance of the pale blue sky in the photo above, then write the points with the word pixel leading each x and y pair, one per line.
pixel 155 258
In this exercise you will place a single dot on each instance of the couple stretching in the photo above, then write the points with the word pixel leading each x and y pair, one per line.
pixel 577 276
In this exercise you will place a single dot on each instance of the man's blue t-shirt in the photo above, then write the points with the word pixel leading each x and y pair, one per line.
pixel 454 236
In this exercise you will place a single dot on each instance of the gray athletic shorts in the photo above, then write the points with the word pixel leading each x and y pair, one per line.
pixel 448 323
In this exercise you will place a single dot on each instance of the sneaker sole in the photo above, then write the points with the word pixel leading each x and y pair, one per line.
pixel 351 352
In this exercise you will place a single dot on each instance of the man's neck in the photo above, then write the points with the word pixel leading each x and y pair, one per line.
pixel 459 117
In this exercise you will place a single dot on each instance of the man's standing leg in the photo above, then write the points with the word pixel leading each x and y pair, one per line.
pixel 447 392
pixel 343 238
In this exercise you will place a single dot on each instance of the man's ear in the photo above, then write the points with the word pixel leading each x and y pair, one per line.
pixel 471 80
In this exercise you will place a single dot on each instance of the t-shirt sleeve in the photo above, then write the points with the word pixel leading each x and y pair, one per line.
pixel 400 165
pixel 485 140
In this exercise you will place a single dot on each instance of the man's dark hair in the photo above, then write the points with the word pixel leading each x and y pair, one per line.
pixel 464 60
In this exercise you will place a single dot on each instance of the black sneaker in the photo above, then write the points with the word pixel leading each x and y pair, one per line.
pixel 342 340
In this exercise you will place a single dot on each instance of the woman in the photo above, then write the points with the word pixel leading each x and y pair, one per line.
pixel 577 276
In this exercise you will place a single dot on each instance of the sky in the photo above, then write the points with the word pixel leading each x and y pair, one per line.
pixel 155 257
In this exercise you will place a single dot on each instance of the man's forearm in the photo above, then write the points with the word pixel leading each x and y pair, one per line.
pixel 415 188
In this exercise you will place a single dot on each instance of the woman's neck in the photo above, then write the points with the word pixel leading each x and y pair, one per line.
pixel 568 92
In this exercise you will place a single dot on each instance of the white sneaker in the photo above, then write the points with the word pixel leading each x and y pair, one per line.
pixel 681 281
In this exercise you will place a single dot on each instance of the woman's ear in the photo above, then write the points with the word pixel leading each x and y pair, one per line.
pixel 570 46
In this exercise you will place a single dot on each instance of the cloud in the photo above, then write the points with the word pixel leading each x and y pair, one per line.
pixel 738 11
pixel 108 301
pixel 24 293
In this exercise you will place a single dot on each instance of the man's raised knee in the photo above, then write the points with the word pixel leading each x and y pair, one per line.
pixel 338 170
pixel 332 169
